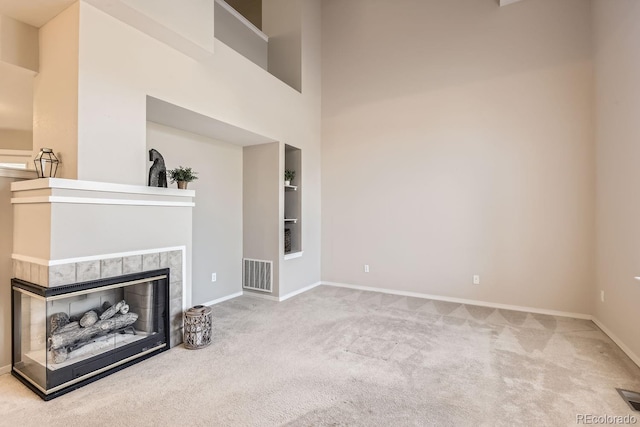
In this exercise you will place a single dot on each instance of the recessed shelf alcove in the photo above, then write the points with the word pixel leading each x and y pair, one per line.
pixel 293 202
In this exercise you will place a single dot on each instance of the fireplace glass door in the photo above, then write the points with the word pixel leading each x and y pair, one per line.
pixel 65 336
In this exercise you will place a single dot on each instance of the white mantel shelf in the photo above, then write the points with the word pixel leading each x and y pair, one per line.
pixel 74 184
pixel 59 190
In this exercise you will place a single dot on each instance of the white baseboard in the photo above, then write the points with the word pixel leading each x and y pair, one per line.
pixel 284 297
pixel 299 291
pixel 617 340
pixel 226 298
pixel 260 296
pixel 5 369
pixel 463 301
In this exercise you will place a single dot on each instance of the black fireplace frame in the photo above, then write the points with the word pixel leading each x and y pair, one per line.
pixel 99 362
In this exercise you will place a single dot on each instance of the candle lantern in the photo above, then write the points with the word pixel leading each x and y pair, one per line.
pixel 46 163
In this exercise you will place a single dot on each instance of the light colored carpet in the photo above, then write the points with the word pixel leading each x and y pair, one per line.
pixel 335 356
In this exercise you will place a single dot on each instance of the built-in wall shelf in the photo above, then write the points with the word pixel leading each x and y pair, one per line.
pixel 292 202
pixel 292 255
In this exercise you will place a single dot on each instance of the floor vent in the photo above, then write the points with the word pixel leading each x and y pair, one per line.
pixel 257 274
pixel 631 397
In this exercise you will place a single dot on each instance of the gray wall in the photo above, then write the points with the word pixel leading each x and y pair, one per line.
pixel 617 67
pixel 261 206
pixel 236 35
pixel 458 140
pixel 282 22
pixel 217 216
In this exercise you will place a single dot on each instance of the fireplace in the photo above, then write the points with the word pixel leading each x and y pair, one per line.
pixel 67 336
pixel 76 246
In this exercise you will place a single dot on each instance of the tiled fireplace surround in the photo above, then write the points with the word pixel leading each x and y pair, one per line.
pixel 113 266
pixel 70 231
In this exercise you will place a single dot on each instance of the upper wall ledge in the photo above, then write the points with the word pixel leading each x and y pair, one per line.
pixel 185 26
pixel 507 2
pixel 243 20
pixel 104 187
pixel 17 173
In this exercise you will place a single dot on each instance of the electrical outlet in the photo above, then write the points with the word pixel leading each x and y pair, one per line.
pixel 366 268
pixel 476 279
pixel 214 277
pixel 602 296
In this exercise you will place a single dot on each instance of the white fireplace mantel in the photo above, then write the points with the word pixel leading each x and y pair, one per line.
pixel 70 231
pixel 57 219
pixel 58 190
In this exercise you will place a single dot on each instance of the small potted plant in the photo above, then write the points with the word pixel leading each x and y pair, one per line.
pixel 289 175
pixel 182 176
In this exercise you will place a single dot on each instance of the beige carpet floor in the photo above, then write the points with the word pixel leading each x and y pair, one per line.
pixel 334 356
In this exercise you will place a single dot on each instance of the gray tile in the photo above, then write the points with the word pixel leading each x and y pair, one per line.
pixel 175 259
pixel 164 259
pixel 175 314
pixel 111 267
pixel 62 274
pixel 44 275
pixel 175 290
pixel 35 273
pixel 132 264
pixel 23 271
pixel 87 270
pixel 14 267
pixel 150 261
pixel 175 309
pixel 175 275
pixel 175 338
pixel 176 321
pixel 175 264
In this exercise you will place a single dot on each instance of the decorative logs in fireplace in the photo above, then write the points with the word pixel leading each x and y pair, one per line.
pixel 68 334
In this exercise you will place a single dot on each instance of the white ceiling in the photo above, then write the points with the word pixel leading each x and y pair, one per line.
pixel 33 12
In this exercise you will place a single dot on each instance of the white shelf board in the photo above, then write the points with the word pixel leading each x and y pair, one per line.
pixel 291 187
pixel 292 255
pixel 293 220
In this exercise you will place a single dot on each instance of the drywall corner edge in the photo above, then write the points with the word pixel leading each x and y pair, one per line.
pixel 634 357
